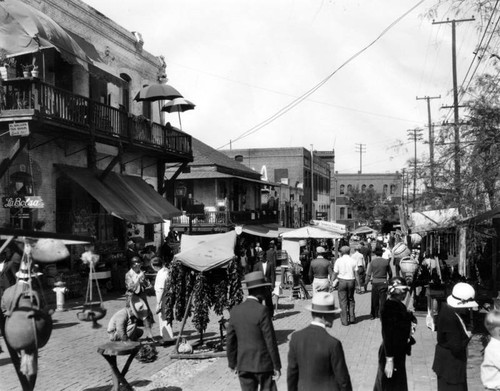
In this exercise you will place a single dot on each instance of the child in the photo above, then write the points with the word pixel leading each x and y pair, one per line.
pixel 490 368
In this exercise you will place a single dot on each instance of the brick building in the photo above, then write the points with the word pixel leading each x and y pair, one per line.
pixel 83 156
pixel 292 166
pixel 388 186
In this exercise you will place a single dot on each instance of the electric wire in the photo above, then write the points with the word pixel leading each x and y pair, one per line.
pixel 304 96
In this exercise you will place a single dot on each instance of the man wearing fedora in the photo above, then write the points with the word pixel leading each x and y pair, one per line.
pixel 320 272
pixel 252 349
pixel 123 324
pixel 450 357
pixel 316 360
pixel 268 268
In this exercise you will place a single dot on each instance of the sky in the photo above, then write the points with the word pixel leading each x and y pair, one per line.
pixel 318 74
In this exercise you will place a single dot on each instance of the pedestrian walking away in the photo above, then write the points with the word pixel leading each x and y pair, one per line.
pixel 268 268
pixel 379 272
pixel 361 263
pixel 346 270
pixel 398 325
pixel 320 272
pixel 450 357
pixel 316 360
pixel 161 281
pixel 252 348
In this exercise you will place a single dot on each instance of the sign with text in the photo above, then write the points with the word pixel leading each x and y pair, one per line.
pixel 30 202
pixel 19 129
pixel 341 228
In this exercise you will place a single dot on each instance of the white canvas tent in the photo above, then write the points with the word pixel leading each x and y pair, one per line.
pixel 206 252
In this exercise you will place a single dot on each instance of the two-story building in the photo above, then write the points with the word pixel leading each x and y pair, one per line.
pixel 77 153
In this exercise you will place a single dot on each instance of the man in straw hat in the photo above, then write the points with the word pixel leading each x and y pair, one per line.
pixel 123 324
pixel 450 357
pixel 316 360
pixel 252 349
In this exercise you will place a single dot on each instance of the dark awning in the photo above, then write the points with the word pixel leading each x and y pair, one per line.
pixel 127 197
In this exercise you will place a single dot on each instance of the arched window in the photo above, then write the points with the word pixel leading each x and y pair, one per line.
pixel 385 189
pixel 370 187
pixel 393 189
pixel 342 189
pixel 349 188
pixel 342 213
pixel 363 188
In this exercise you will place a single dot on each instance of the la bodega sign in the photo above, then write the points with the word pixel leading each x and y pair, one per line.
pixel 30 202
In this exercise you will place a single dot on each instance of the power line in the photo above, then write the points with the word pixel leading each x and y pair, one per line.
pixel 295 102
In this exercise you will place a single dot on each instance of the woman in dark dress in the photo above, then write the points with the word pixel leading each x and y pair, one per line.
pixel 397 327
pixel 450 357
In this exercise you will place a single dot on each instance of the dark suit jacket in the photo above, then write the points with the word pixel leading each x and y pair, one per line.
pixel 251 340
pixel 270 273
pixel 450 358
pixel 316 362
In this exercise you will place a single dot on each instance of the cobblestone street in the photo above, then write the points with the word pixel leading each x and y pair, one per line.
pixel 70 360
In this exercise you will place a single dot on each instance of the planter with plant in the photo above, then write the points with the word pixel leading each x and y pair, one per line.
pixel 26 69
pixel 7 66
pixel 34 68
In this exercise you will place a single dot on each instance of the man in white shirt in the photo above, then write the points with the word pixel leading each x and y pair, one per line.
pixel 360 262
pixel 346 270
pixel 162 278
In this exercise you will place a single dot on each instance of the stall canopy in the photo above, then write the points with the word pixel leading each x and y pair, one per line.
pixel 431 220
pixel 127 197
pixel 311 232
pixel 206 252
pixel 363 230
pixel 24 29
pixel 264 230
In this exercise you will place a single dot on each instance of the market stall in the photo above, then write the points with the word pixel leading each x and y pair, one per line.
pixel 204 276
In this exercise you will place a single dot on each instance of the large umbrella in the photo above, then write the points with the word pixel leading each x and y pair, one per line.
pixel 363 230
pixel 179 105
pixel 311 232
pixel 156 93
pixel 24 29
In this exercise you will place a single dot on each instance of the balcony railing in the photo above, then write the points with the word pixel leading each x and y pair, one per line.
pixel 46 101
pixel 224 218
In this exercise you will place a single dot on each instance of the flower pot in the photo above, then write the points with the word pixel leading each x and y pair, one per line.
pixel 26 73
pixel 34 73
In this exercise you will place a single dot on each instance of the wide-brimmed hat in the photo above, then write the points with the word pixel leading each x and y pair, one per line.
pixel 462 296
pixel 138 307
pixel 255 280
pixel 320 250
pixel 323 303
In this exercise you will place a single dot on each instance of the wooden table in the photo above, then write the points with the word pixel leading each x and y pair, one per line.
pixel 110 351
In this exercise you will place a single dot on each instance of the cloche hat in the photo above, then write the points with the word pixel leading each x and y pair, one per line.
pixel 324 303
pixel 462 296
pixel 320 250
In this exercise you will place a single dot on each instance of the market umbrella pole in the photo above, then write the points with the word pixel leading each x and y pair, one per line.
pixel 186 312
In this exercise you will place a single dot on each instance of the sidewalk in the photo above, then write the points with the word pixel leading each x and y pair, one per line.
pixel 70 361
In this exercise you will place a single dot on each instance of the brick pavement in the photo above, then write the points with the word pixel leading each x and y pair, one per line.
pixel 70 362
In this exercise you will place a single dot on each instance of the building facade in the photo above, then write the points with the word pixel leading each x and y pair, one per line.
pixel 298 168
pixel 79 154
pixel 388 186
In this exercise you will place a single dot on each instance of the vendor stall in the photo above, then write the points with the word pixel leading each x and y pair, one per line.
pixel 204 276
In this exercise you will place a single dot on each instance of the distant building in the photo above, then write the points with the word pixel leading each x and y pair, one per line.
pixel 292 166
pixel 387 185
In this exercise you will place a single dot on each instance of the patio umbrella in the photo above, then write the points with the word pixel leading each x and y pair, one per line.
pixel 156 93
pixel 180 105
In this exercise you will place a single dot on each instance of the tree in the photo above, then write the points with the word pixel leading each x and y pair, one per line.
pixel 369 207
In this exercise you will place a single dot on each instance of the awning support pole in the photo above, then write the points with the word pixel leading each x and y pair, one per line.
pixel 163 188
pixel 14 152
pixel 112 163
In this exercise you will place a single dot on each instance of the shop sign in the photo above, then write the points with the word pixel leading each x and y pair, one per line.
pixel 19 129
pixel 32 202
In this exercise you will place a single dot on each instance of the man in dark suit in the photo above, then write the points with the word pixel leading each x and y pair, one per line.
pixel 316 360
pixel 252 349
pixel 268 268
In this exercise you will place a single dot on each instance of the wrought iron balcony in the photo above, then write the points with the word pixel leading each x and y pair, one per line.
pixel 32 99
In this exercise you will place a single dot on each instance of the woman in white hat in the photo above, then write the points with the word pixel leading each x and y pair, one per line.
pixel 397 327
pixel 450 357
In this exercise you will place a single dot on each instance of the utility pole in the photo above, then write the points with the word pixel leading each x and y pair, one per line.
pixel 458 185
pixel 415 135
pixel 431 135
pixel 361 148
pixel 312 182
